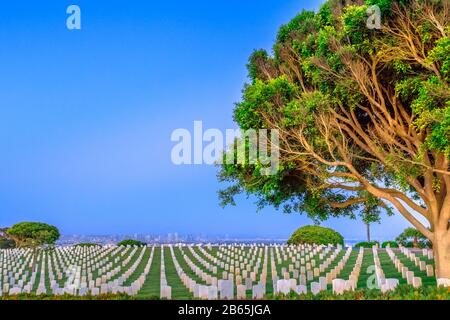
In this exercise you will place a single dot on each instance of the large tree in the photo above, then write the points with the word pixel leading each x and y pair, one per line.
pixel 33 235
pixel 363 116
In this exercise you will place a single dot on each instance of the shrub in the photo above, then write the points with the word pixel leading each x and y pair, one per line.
pixel 391 244
pixel 316 235
pixel 365 244
pixel 130 242
pixel 26 296
pixel 7 244
pixel 402 292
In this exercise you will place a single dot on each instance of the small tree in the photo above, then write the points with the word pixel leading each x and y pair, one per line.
pixel 412 235
pixel 316 235
pixel 33 235
pixel 371 213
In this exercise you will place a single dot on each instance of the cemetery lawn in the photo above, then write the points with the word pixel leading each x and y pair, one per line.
pixel 200 262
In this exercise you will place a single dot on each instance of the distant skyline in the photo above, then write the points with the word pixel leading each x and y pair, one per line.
pixel 86 115
pixel 177 238
pixel 183 237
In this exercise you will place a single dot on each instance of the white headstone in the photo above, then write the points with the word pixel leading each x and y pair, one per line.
pixel 241 292
pixel 301 289
pixel 443 282
pixel 315 288
pixel 338 286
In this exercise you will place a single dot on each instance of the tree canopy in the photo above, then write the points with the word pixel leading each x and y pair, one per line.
pixel 316 235
pixel 33 234
pixel 363 116
pixel 411 237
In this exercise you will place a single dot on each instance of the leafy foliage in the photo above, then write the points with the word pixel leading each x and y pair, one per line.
pixel 391 244
pixel 402 292
pixel 33 234
pixel 411 237
pixel 316 235
pixel 110 296
pixel 363 114
pixel 365 244
pixel 131 242
pixel 7 243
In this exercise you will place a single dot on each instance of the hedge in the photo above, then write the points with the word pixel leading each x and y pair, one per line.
pixel 365 244
pixel 391 244
pixel 130 242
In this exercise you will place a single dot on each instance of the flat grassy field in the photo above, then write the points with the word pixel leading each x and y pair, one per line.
pixel 102 260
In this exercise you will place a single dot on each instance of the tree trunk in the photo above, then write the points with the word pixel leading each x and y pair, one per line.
pixel 441 249
pixel 415 243
pixel 368 232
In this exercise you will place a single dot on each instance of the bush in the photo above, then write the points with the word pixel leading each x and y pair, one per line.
pixel 26 296
pixel 316 235
pixel 130 242
pixel 7 244
pixel 391 244
pixel 402 292
pixel 366 244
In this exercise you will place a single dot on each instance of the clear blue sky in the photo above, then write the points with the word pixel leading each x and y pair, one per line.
pixel 86 115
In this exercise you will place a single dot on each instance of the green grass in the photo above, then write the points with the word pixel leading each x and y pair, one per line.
pixel 389 268
pixel 151 287
pixel 366 263
pixel 426 281
pixel 179 291
pixel 140 269
pixel 348 268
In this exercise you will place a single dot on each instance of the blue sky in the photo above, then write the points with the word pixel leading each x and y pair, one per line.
pixel 86 115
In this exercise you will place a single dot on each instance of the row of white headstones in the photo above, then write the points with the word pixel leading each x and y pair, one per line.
pixel 73 270
pixel 224 288
pixel 420 264
pixel 99 270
